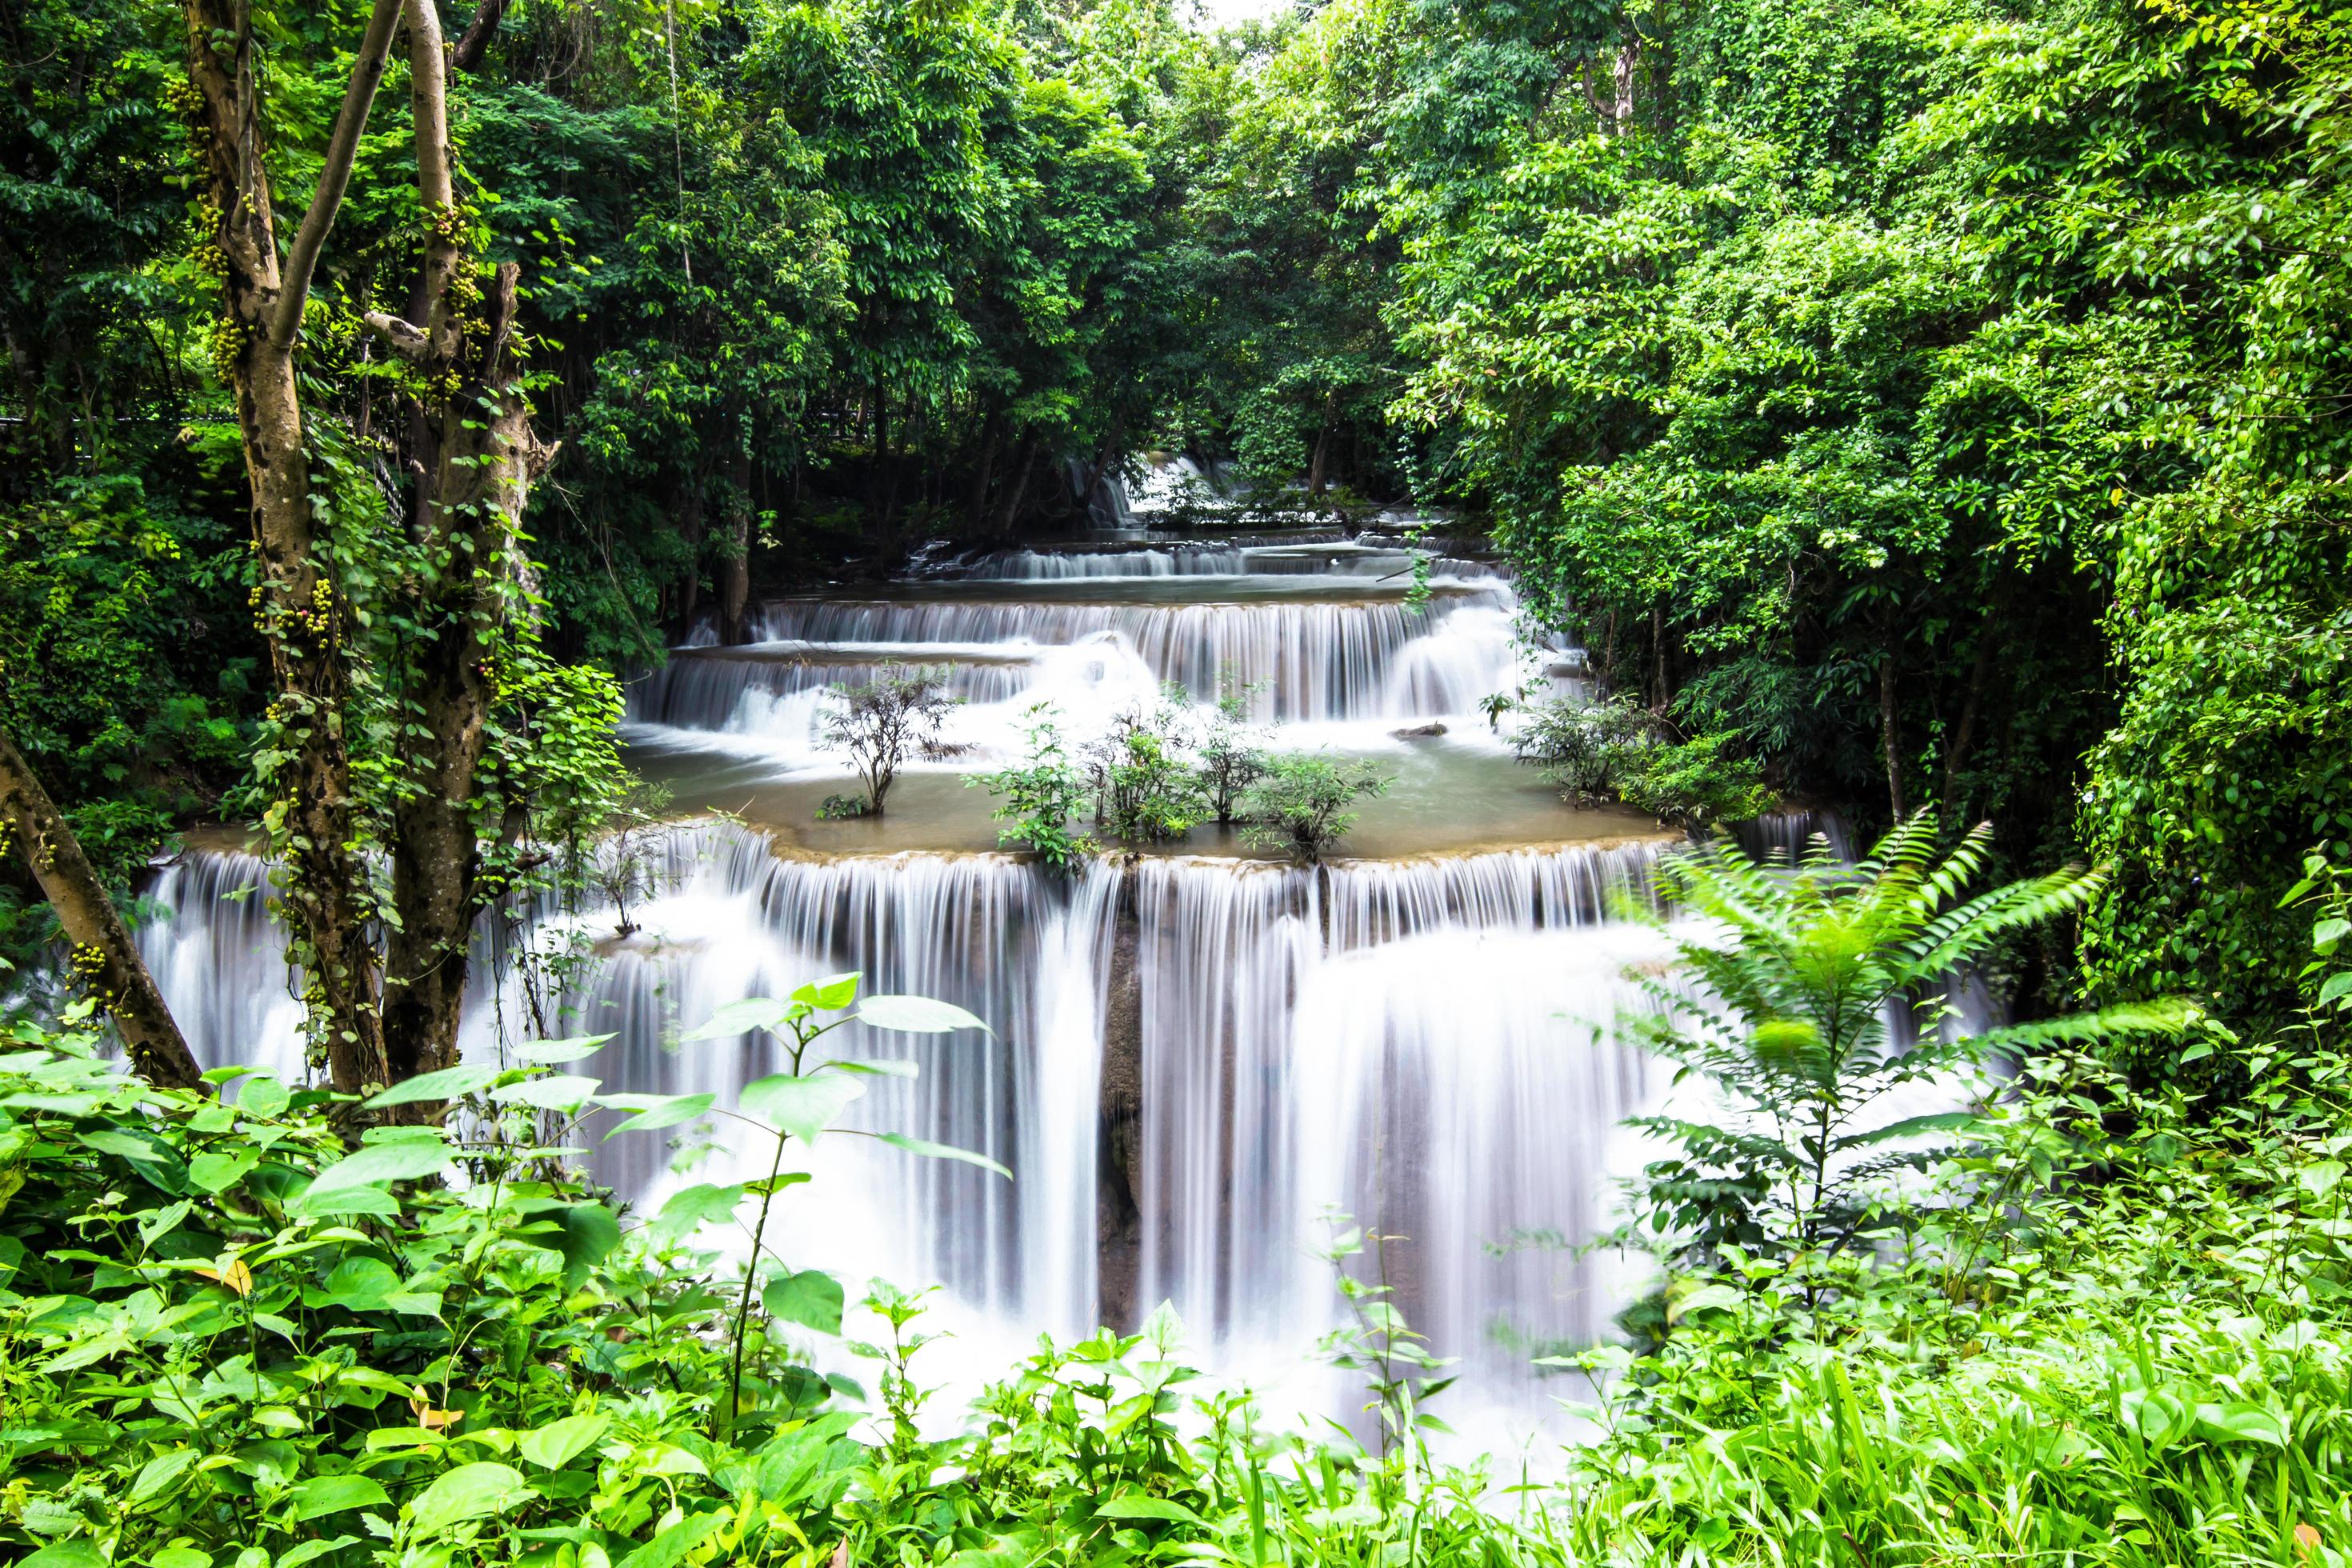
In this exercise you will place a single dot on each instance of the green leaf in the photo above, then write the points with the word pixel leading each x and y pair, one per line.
pixel 917 1015
pixel 323 1495
pixel 811 1299
pixel 590 1234
pixel 399 1160
pixel 692 1207
pixel 803 1106
pixel 469 1491
pixel 558 1091
pixel 931 1150
pixel 555 1053
pixel 558 1443
pixel 833 992
pixel 64 1555
pixel 449 1083
pixel 1146 1508
pixel 156 1476
pixel 665 1551
pixel 262 1095
pixel 1706 1298
pixel 656 1109
pixel 2241 1423
pixel 740 1018
pixel 218 1172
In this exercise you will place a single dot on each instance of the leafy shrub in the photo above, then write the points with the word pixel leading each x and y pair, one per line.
pixel 1599 751
pixel 843 807
pixel 1042 798
pixel 1579 746
pixel 1300 803
pixel 879 724
pixel 1232 751
pixel 1146 788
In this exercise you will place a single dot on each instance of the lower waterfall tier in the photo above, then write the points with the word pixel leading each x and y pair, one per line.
pixel 1197 1060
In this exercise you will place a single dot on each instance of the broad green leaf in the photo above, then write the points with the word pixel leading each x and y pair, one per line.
pixel 830 993
pixel 64 1555
pixel 590 1234
pixel 262 1095
pixel 558 1443
pixel 400 1160
pixel 323 1495
pixel 218 1172
pixel 558 1091
pixel 555 1053
pixel 469 1491
pixel 691 1207
pixel 1706 1298
pixel 449 1083
pixel 811 1299
pixel 1146 1508
pixel 665 1550
pixel 803 1106
pixel 656 1109
pixel 931 1150
pixel 917 1015
pixel 740 1018
pixel 2241 1423
pixel 157 1475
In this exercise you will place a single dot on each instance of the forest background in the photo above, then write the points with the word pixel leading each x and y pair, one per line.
pixel 1942 403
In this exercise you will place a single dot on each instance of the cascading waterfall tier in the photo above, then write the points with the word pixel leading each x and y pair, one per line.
pixel 1427 1046
pixel 1195 1057
pixel 1351 659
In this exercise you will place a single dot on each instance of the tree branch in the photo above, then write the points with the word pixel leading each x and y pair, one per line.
pixel 100 939
pixel 335 174
pixel 478 34
pixel 436 185
pixel 401 338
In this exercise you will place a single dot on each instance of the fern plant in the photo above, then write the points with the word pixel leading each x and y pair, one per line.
pixel 1807 994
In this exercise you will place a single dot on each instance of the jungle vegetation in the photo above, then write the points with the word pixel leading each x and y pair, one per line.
pixel 1935 411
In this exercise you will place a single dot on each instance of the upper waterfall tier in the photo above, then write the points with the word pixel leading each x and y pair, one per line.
pixel 1318 651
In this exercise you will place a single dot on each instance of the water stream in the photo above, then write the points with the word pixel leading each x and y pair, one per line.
pixel 1198 1056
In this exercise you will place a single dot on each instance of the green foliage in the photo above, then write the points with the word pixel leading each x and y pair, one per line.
pixel 1145 787
pixel 1812 993
pixel 878 726
pixel 1599 751
pixel 1042 798
pixel 227 1331
pixel 1299 804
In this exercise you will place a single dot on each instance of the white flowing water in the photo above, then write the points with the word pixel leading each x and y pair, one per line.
pixel 1231 1048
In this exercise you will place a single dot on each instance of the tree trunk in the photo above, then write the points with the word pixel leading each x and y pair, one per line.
pixel 1971 705
pixel 103 955
pixel 478 458
pixel 689 524
pixel 323 890
pixel 1020 492
pixel 1318 464
pixel 992 438
pixel 1888 738
pixel 735 554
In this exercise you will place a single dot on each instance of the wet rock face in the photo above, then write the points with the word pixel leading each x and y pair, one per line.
pixel 1420 733
pixel 1119 1219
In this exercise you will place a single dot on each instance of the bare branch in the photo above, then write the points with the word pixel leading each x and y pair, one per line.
pixel 401 338
pixel 335 174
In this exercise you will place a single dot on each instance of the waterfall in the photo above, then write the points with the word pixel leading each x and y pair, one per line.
pixel 1195 1057
pixel 1443 1067
pixel 1317 660
pixel 219 962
